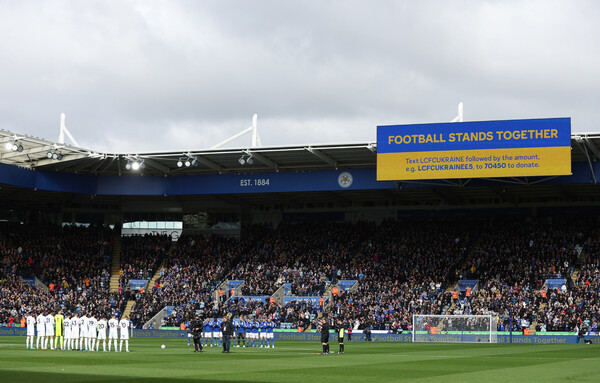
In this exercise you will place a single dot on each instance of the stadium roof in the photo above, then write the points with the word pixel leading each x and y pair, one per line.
pixel 36 153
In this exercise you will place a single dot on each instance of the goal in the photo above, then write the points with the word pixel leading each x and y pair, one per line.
pixel 455 328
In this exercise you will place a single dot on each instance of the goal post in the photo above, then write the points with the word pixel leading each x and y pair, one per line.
pixel 455 328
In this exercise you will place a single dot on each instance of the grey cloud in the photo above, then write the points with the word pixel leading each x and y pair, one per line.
pixel 140 75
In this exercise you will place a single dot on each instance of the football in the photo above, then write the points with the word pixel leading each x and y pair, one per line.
pixel 163 346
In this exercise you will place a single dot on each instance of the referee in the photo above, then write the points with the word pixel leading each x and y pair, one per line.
pixel 340 332
pixel 325 335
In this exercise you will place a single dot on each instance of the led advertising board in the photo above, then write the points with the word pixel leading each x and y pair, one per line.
pixel 481 149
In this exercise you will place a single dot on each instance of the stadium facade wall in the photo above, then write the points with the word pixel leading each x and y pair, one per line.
pixel 201 184
pixel 314 336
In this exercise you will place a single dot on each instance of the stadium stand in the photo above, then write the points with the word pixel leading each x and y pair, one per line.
pixel 402 268
pixel 72 262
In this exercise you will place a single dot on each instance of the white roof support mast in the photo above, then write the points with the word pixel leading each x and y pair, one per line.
pixel 459 118
pixel 63 131
pixel 253 129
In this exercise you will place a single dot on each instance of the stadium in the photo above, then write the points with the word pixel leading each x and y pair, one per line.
pixel 443 270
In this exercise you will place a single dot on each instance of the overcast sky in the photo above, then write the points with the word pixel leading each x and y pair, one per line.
pixel 137 76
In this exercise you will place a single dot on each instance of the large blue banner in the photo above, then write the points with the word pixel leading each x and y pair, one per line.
pixel 507 134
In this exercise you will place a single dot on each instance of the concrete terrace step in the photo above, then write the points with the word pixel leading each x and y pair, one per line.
pixel 116 264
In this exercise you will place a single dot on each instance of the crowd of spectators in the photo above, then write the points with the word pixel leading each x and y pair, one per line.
pixel 402 267
pixel 141 256
pixel 515 258
pixel 71 261
pixel 192 271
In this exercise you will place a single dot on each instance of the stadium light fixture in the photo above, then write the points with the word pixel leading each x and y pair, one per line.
pixel 246 161
pixel 14 145
pixel 135 163
pixel 187 161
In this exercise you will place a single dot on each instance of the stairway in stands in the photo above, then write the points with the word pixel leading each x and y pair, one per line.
pixel 160 268
pixel 150 285
pixel 580 261
pixel 116 264
pixel 128 307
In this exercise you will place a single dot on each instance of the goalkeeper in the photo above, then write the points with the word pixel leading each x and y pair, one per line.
pixel 59 320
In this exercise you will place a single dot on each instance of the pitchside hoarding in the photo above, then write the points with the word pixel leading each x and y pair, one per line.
pixel 481 149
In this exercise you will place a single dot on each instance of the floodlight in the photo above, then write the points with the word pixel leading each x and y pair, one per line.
pixel 49 155
pixel 187 163
pixel 242 161
pixel 179 164
pixel 135 165
pixel 128 165
pixel 250 160
pixel 55 156
pixel 195 162
pixel 19 148
pixel 8 146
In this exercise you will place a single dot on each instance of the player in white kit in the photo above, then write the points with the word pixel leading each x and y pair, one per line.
pixel 30 320
pixel 41 330
pixel 124 327
pixel 92 334
pixel 113 326
pixel 67 323
pixel 74 332
pixel 50 331
pixel 83 332
pixel 102 325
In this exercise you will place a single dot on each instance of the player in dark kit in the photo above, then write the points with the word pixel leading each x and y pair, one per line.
pixel 325 334
pixel 197 328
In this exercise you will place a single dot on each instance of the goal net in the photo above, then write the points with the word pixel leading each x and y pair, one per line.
pixel 455 328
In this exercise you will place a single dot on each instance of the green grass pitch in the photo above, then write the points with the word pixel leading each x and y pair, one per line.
pixel 293 361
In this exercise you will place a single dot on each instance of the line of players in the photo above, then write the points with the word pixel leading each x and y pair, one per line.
pixel 248 333
pixel 74 332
